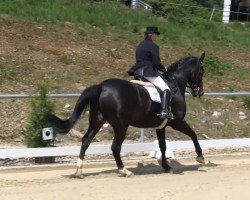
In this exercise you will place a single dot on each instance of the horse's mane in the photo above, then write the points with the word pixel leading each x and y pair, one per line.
pixel 175 66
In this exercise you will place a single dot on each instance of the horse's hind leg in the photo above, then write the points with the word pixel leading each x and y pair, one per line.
pixel 86 140
pixel 120 133
pixel 181 125
pixel 95 123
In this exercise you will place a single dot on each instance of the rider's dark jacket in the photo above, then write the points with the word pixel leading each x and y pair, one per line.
pixel 147 58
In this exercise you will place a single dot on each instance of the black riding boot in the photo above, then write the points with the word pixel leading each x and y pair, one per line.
pixel 165 109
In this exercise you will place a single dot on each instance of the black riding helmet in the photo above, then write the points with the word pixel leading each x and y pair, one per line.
pixel 152 29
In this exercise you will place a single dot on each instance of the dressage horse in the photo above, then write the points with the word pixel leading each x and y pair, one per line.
pixel 122 104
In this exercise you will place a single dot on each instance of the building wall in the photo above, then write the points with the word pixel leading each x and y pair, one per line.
pixel 236 10
pixel 240 10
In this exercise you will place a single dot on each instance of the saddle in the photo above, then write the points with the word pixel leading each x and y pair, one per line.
pixel 154 93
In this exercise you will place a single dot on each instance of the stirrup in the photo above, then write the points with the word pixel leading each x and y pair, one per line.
pixel 164 115
pixel 170 115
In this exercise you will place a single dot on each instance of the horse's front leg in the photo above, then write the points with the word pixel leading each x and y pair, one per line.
pixel 162 145
pixel 181 125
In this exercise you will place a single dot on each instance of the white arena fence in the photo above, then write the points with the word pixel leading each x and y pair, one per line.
pixel 151 148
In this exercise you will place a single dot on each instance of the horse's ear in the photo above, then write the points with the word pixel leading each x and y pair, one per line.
pixel 202 56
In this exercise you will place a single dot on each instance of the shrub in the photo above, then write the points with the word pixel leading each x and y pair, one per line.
pixel 41 107
pixel 231 90
pixel 214 66
pixel 183 11
pixel 246 102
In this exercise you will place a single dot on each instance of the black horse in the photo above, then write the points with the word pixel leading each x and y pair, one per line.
pixel 122 104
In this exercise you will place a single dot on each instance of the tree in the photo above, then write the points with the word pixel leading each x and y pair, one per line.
pixel 41 107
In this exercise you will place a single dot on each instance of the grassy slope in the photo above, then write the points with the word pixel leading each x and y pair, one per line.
pixel 80 44
pixel 113 15
pixel 120 22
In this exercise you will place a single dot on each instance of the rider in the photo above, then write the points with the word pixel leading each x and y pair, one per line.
pixel 147 63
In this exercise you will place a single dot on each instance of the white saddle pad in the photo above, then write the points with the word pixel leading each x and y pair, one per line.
pixel 154 94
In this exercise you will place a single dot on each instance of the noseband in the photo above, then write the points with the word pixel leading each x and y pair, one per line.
pixel 195 87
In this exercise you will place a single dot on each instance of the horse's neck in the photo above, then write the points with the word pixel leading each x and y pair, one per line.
pixel 182 87
pixel 181 83
pixel 182 74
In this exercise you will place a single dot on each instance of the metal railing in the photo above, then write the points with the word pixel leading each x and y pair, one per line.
pixel 234 15
pixel 66 95
pixel 140 4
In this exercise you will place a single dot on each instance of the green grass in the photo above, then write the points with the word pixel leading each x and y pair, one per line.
pixel 99 14
pixel 14 68
pixel 226 129
pixel 246 102
pixel 112 16
pixel 213 65
pixel 7 73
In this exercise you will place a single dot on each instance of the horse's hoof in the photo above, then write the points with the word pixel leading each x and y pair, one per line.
pixel 78 173
pixel 159 161
pixel 130 174
pixel 125 173
pixel 200 159
pixel 78 176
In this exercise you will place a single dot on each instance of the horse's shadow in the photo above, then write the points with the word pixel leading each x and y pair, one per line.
pixel 153 168
pixel 177 168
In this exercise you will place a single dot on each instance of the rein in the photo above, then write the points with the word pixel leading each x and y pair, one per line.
pixel 185 82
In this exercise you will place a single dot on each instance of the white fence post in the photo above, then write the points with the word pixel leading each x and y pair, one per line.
pixel 142 136
pixel 212 14
pixel 226 11
pixel 134 3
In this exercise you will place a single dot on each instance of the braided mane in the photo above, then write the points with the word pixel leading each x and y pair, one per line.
pixel 175 66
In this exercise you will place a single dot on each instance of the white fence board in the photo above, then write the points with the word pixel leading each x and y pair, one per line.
pixel 73 150
pixel 137 147
pixel 217 144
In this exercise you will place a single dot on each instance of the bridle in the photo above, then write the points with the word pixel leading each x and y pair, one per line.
pixel 194 87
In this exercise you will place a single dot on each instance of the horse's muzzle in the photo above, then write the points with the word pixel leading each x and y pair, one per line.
pixel 197 92
pixel 200 92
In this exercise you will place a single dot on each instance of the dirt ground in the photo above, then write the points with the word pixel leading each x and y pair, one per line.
pixel 222 177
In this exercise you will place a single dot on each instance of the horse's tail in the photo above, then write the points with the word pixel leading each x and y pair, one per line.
pixel 91 93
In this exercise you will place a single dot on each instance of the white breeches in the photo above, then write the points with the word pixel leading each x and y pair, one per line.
pixel 159 82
